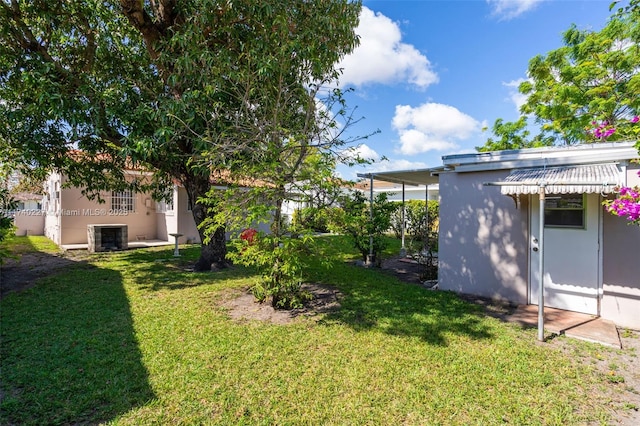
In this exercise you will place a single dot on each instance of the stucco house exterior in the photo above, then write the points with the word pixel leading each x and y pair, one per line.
pixel 68 214
pixel 71 220
pixel 489 242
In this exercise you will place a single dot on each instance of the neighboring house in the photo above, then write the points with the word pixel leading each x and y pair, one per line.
pixel 489 230
pixel 28 201
pixel 29 215
pixel 69 214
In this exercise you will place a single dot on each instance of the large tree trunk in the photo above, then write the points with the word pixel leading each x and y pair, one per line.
pixel 213 253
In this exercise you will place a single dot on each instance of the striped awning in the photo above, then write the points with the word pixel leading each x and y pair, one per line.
pixel 583 179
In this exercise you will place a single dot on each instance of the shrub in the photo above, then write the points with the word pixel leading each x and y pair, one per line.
pixel 7 227
pixel 416 227
pixel 280 261
pixel 313 218
pixel 355 220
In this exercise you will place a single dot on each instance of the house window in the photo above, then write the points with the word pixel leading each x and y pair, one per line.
pixel 564 211
pixel 164 206
pixel 123 201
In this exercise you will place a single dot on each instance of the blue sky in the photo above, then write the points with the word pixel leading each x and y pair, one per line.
pixel 429 75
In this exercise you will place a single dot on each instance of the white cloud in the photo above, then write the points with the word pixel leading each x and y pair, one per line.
pixel 361 151
pixel 381 56
pixel 432 127
pixel 509 9
pixel 515 96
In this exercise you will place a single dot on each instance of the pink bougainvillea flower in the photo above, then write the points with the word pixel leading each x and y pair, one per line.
pixel 627 204
pixel 635 119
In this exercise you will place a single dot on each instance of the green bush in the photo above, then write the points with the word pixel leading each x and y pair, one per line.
pixel 354 219
pixel 7 227
pixel 313 218
pixel 417 227
pixel 280 261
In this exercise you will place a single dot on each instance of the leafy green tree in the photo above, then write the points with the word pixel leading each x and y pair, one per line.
pixel 582 91
pixel 280 261
pixel 513 135
pixel 591 80
pixel 184 89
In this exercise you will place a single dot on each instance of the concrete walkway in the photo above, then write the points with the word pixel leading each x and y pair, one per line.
pixel 571 324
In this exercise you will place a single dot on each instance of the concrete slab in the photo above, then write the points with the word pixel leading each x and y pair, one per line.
pixel 132 244
pixel 572 324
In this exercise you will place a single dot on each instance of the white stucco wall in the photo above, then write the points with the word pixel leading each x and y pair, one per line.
pixel 483 238
pixel 186 225
pixel 51 206
pixel 621 267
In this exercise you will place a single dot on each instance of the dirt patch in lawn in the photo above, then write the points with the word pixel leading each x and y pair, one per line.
pixel 244 307
pixel 22 272
pixel 619 374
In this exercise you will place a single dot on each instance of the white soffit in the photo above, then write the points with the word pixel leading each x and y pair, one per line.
pixel 410 177
pixel 584 179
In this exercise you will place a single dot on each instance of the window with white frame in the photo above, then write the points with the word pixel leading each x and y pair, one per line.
pixel 123 201
pixel 164 206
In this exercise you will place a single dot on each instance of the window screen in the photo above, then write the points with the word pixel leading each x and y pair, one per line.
pixel 123 201
pixel 564 210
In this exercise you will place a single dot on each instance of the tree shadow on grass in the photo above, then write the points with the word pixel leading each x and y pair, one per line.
pixel 159 270
pixel 69 351
pixel 373 300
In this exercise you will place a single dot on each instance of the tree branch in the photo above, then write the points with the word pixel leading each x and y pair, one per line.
pixel 140 19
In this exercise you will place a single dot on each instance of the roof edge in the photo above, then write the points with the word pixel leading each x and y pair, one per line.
pixel 545 156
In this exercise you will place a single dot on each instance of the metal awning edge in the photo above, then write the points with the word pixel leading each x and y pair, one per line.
pixel 558 180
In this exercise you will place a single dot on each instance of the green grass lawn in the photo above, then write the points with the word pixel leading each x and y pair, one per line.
pixel 134 338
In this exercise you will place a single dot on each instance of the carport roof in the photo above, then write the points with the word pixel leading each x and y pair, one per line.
pixel 410 177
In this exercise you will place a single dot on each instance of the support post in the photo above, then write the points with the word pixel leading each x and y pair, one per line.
pixel 371 259
pixel 403 250
pixel 541 193
pixel 426 218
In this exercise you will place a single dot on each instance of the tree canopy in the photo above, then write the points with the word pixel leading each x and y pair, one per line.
pixel 513 135
pixel 591 82
pixel 182 88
